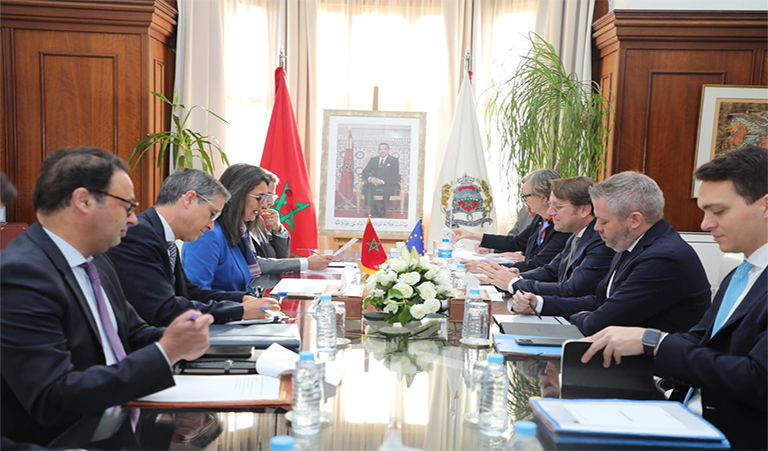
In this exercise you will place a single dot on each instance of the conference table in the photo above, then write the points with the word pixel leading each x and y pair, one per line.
pixel 390 397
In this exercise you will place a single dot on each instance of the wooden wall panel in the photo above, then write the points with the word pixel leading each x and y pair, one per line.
pixel 658 62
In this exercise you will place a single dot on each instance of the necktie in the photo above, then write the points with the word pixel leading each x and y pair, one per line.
pixel 574 245
pixel 734 290
pixel 101 306
pixel 381 162
pixel 173 252
pixel 542 232
pixel 109 328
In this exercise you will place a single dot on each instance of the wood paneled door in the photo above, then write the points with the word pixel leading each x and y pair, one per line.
pixel 655 63
pixel 80 73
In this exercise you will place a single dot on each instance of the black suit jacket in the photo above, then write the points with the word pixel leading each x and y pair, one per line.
pixel 145 271
pixel 577 276
pixel 390 173
pixel 53 366
pixel 729 368
pixel 660 284
pixel 535 255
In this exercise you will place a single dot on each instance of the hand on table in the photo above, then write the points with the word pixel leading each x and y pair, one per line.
pixel 186 338
pixel 524 302
pixel 318 262
pixel 615 342
pixel 515 255
pixel 252 307
pixel 498 275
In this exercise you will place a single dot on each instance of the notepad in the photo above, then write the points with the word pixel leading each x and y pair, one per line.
pixel 215 388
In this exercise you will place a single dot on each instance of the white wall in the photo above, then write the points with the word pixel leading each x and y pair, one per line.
pixel 706 5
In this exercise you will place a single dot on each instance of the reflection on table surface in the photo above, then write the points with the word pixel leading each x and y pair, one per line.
pixel 414 394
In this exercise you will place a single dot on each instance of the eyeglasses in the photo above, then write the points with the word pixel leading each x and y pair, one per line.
pixel 556 207
pixel 129 210
pixel 217 211
pixel 264 198
pixel 525 197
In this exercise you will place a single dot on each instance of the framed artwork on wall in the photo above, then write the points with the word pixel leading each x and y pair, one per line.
pixel 732 117
pixel 371 165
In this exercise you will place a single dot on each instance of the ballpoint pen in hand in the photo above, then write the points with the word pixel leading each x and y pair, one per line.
pixel 518 290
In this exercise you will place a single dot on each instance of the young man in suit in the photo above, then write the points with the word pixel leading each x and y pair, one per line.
pixel 655 279
pixel 381 175
pixel 719 365
pixel 148 262
pixel 71 345
pixel 584 261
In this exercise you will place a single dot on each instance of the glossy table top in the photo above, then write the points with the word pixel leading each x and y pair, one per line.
pixel 412 394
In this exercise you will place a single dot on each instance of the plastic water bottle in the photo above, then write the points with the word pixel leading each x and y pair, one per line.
pixel 473 296
pixel 474 328
pixel 449 233
pixel 524 438
pixel 281 443
pixel 493 418
pixel 445 253
pixel 458 277
pixel 326 324
pixel 306 395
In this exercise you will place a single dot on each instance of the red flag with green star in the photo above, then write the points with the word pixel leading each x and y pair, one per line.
pixel 284 157
pixel 372 252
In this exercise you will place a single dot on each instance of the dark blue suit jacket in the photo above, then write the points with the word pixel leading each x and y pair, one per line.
pixel 53 367
pixel 577 277
pixel 535 255
pixel 729 368
pixel 660 284
pixel 145 271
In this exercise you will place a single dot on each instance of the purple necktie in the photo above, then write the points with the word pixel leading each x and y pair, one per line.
pixel 101 304
pixel 109 328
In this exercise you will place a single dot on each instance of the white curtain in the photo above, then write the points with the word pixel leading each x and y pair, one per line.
pixel 567 25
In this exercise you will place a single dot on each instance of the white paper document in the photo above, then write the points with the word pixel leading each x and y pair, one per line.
pixel 345 247
pixel 493 293
pixel 661 419
pixel 529 319
pixel 306 286
pixel 214 388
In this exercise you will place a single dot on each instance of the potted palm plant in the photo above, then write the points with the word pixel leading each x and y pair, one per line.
pixel 546 117
pixel 186 145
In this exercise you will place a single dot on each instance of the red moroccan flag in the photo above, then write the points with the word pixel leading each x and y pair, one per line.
pixel 283 156
pixel 347 181
pixel 372 252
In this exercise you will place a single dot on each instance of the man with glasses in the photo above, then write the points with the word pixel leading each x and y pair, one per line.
pixel 148 262
pixel 71 345
pixel 584 261
pixel 655 279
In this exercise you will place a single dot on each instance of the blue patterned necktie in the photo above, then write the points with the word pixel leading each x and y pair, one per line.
pixel 734 290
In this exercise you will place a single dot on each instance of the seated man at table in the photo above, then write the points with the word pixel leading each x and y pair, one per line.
pixel 578 268
pixel 655 280
pixel 540 241
pixel 719 365
pixel 71 345
pixel 148 262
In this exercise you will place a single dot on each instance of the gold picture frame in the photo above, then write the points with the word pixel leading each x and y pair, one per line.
pixel 351 139
pixel 731 117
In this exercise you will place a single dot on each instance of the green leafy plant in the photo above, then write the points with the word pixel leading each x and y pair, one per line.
pixel 185 144
pixel 546 117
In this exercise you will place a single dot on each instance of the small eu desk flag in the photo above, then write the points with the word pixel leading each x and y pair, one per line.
pixel 416 239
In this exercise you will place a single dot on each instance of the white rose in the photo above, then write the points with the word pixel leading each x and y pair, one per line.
pixel 370 284
pixel 427 290
pixel 418 311
pixel 432 273
pixel 398 265
pixel 432 305
pixel 386 277
pixel 390 307
pixel 405 289
pixel 424 262
pixel 410 278
pixel 377 293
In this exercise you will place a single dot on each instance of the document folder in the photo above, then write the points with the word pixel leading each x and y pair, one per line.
pixel 507 346
pixel 542 330
pixel 632 379
pixel 260 336
pixel 617 423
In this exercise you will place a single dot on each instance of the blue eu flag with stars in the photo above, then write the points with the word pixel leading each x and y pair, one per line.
pixel 416 239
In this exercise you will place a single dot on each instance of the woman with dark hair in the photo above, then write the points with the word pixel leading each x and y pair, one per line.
pixel 248 245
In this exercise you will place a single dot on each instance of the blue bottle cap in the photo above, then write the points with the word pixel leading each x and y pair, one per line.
pixel 460 266
pixel 306 355
pixel 445 240
pixel 525 428
pixel 474 291
pixel 495 358
pixel 281 443
pixel 325 297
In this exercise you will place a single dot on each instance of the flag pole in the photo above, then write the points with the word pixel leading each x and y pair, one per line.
pixel 282 58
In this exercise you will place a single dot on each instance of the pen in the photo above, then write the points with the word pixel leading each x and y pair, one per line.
pixel 266 310
pixel 518 290
pixel 312 251
pixel 259 291
pixel 194 317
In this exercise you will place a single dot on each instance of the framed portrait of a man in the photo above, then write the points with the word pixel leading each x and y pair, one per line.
pixel 371 167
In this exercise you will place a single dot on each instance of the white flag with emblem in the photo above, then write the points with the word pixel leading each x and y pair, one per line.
pixel 463 195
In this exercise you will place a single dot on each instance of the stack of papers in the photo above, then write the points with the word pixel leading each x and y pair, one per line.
pixel 225 388
pixel 620 423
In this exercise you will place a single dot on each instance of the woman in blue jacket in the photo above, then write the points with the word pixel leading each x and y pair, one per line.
pixel 248 246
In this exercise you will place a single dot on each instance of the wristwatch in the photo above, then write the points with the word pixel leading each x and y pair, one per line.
pixel 650 340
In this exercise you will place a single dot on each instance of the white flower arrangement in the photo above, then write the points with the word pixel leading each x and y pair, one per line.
pixel 407 288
